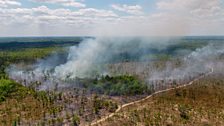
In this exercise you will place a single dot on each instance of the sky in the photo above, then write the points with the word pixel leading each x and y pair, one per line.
pixel 111 17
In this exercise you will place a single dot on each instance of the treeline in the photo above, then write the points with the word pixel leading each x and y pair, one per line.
pixel 44 44
pixel 28 50
pixel 28 55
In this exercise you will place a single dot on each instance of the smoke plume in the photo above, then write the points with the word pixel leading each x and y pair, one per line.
pixel 93 58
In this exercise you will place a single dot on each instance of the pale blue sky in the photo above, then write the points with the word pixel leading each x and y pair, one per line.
pixel 148 5
pixel 111 17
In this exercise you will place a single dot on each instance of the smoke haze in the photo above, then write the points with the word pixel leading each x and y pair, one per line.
pixel 91 58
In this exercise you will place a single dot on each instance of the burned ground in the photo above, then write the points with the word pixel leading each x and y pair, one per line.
pixel 82 100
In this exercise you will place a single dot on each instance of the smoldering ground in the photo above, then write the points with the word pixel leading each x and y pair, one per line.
pixel 97 57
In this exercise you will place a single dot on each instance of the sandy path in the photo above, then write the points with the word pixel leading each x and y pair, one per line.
pixel 141 100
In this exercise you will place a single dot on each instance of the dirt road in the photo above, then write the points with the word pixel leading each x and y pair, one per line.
pixel 141 100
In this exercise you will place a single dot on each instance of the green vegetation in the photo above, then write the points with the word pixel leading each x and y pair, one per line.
pixel 20 105
pixel 28 50
pixel 28 55
pixel 98 104
pixel 18 102
pixel 15 43
pixel 6 88
pixel 75 120
pixel 9 89
pixel 118 85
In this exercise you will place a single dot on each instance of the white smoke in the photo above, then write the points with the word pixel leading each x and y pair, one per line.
pixel 198 62
pixel 90 59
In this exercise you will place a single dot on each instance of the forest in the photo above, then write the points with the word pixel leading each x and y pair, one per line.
pixel 83 100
